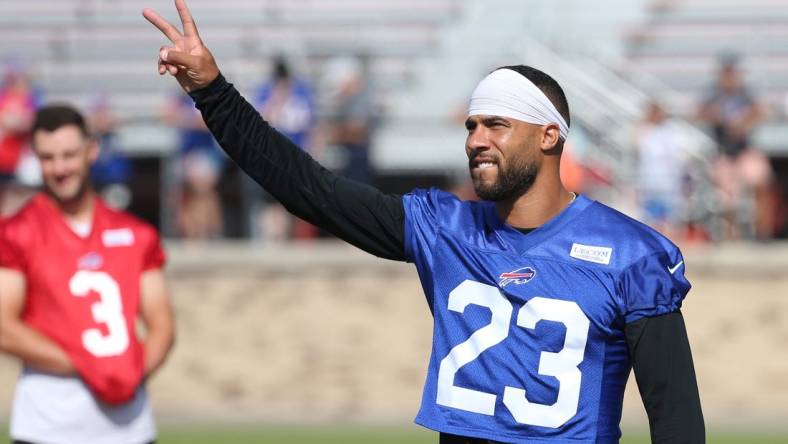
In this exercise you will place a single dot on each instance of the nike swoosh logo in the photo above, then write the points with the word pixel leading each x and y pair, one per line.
pixel 673 269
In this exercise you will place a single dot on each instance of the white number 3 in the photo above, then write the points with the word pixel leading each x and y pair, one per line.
pixel 561 365
pixel 108 310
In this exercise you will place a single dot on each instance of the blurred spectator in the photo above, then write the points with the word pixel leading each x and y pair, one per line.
pixel 200 165
pixel 660 172
pixel 742 173
pixel 112 170
pixel 573 174
pixel 18 103
pixel 288 104
pixel 351 116
pixel 581 171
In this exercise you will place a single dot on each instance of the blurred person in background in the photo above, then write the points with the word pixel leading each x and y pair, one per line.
pixel 350 116
pixel 18 103
pixel 200 165
pixel 75 278
pixel 660 172
pixel 580 172
pixel 111 173
pixel 742 173
pixel 609 287
pixel 287 102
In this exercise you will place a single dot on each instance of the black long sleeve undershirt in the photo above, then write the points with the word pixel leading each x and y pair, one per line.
pixel 374 222
pixel 354 212
pixel 660 353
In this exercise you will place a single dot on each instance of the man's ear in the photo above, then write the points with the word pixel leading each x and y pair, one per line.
pixel 93 150
pixel 551 135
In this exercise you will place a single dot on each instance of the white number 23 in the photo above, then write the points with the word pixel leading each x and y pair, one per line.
pixel 563 365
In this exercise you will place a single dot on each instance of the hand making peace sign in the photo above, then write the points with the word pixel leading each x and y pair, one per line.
pixel 187 58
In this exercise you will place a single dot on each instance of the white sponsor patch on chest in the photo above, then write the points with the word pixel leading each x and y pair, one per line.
pixel 119 237
pixel 590 253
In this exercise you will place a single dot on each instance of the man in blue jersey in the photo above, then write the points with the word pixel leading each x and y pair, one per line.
pixel 543 300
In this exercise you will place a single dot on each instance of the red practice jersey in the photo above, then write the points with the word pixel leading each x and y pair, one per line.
pixel 84 293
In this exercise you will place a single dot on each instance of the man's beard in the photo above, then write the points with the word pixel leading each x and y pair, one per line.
pixel 513 182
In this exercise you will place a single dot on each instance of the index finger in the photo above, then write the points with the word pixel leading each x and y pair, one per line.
pixel 164 26
pixel 189 28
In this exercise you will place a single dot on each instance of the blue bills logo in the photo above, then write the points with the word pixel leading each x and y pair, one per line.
pixel 519 276
pixel 90 261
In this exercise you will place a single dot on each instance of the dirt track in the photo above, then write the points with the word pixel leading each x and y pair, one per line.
pixel 329 334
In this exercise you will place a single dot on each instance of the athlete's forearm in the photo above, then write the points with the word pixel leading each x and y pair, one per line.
pixel 357 213
pixel 665 374
pixel 157 315
pixel 158 344
pixel 33 348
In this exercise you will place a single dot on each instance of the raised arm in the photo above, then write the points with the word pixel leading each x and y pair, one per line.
pixel 357 213
pixel 17 338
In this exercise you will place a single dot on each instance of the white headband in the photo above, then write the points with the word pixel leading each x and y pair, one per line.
pixel 507 93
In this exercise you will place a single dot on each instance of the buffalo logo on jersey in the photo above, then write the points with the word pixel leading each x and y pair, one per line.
pixel 90 261
pixel 519 276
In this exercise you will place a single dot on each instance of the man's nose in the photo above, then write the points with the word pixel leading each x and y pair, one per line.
pixel 478 139
pixel 59 166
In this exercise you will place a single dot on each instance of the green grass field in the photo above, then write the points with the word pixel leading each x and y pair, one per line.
pixel 246 434
pixel 375 435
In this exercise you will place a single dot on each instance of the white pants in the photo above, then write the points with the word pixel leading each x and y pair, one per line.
pixel 51 409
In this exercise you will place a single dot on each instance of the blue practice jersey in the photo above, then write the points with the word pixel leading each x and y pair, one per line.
pixel 529 339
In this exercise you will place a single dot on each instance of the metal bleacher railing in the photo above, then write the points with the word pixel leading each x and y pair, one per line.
pixel 606 106
pixel 609 107
pixel 682 41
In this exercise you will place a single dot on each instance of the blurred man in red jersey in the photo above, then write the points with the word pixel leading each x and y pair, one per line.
pixel 75 276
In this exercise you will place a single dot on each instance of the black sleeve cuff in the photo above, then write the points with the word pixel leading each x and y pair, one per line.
pixel 217 86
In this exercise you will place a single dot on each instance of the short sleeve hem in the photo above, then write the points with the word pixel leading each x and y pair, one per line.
pixel 652 286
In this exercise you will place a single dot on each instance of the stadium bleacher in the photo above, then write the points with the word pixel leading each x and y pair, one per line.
pixel 423 58
pixel 77 49
pixel 681 41
pixel 108 46
pixel 75 46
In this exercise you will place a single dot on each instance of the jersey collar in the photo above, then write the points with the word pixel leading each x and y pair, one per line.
pixel 45 202
pixel 518 242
